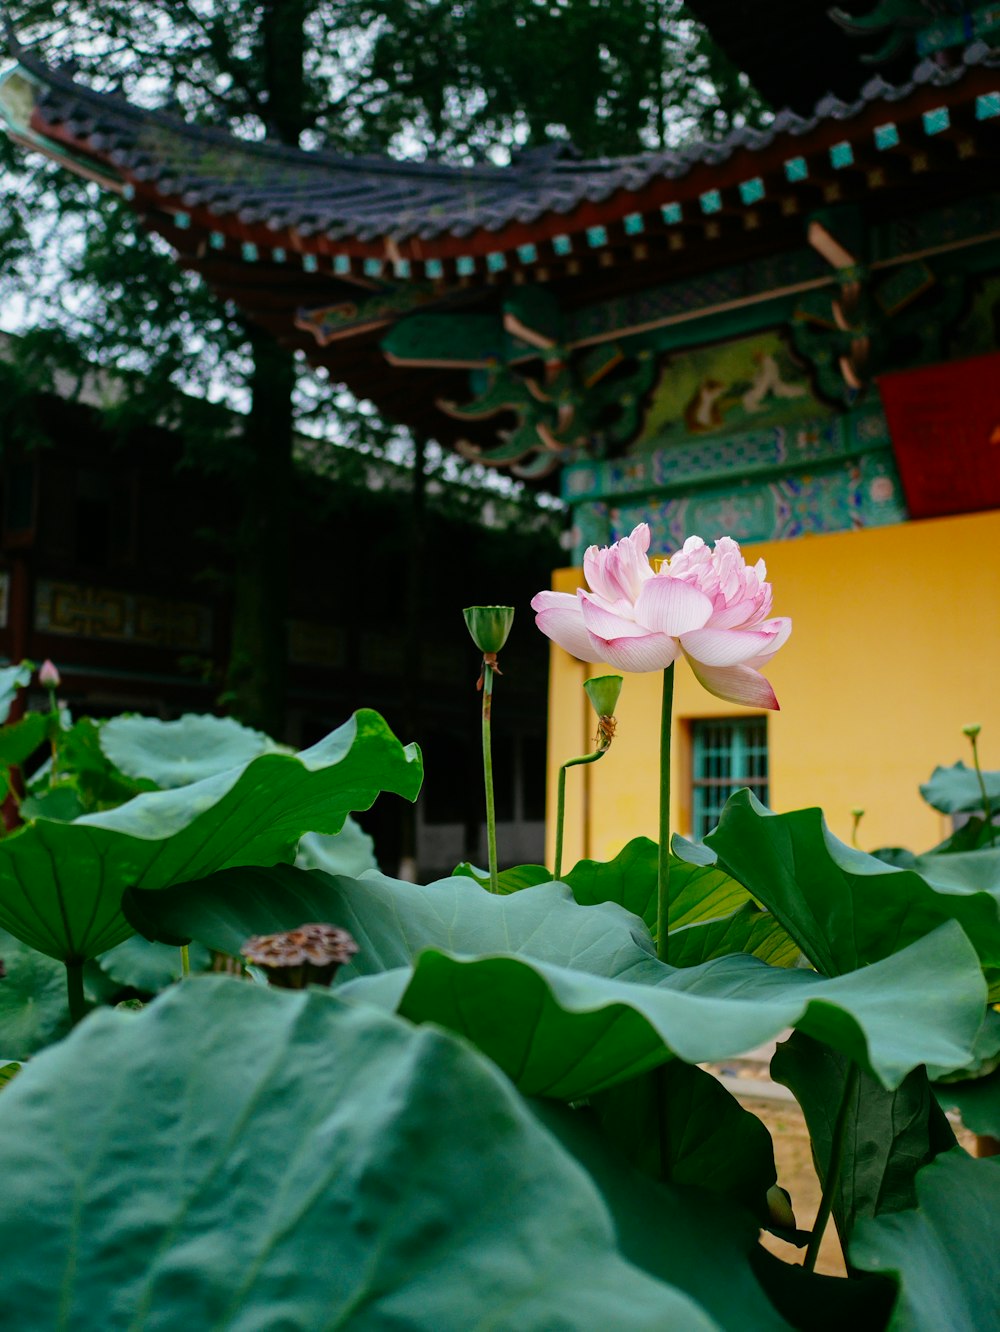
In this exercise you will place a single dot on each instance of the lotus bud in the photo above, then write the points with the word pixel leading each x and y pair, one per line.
pixel 603 691
pixel 309 955
pixel 48 676
pixel 857 814
pixel 972 730
pixel 489 626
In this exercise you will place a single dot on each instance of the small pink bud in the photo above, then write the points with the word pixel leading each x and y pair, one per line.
pixel 48 675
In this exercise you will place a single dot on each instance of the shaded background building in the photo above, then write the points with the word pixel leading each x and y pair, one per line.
pixel 110 564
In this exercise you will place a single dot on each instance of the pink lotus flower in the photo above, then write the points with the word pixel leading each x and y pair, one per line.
pixel 708 604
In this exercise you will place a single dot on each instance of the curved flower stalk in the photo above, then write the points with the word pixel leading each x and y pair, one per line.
pixel 705 604
pixel 603 691
pixel 972 731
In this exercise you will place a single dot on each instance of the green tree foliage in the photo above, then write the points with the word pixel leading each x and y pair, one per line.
pixel 401 76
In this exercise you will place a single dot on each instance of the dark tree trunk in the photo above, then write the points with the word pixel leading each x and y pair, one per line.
pixel 260 603
pixel 258 660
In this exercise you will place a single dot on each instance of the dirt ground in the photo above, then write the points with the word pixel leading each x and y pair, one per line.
pixel 793 1159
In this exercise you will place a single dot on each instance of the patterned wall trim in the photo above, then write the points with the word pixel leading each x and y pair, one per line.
pixel 702 461
pixel 122 617
pixel 851 493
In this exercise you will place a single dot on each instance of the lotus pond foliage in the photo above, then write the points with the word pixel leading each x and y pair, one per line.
pixel 491 1111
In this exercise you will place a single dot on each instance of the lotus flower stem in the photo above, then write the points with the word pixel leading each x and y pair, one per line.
pixel 973 733
pixel 833 1167
pixel 489 627
pixel 185 961
pixel 491 822
pixel 663 861
pixel 561 804
pixel 74 991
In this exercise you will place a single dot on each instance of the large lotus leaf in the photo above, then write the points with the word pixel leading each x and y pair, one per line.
pixel 845 908
pixel 956 790
pixel 977 1100
pixel 20 739
pixel 33 1011
pixel 629 880
pixel 391 920
pixel 138 964
pixel 176 753
pixel 816 1303
pixel 747 930
pixel 697 893
pixel 964 871
pixel 691 1239
pixel 889 1135
pixel 61 884
pixel 944 1253
pixel 63 801
pixel 350 852
pixel 568 1034
pixel 12 678
pixel 679 1124
pixel 257 1159
pixel 593 981
pixel 510 880
pixel 708 1247
pixel 98 783
pixel 974 835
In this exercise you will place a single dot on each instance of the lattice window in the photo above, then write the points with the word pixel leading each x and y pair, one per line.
pixel 726 754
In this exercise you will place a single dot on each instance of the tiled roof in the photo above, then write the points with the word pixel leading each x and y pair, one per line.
pixel 326 200
pixel 329 253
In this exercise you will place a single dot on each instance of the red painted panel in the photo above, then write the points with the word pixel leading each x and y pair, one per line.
pixel 945 426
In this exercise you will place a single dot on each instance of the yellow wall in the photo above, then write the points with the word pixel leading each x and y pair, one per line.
pixel 895 647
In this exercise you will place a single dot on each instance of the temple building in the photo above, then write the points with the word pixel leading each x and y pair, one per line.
pixel 790 336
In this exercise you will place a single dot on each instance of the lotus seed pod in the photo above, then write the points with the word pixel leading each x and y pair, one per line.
pixel 489 626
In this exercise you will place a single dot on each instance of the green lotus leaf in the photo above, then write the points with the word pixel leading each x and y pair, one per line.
pixel 33 1010
pixel 977 1100
pixel 350 852
pixel 138 964
pixel 510 880
pixel 943 1253
pixel 97 781
pixel 177 753
pixel 567 1034
pixel 956 790
pixel 253 1158
pixel 12 678
pixel 62 802
pixel 748 930
pixel 9 1068
pixel 889 1135
pixel 61 884
pixel 697 893
pixel 20 739
pixel 679 1124
pixel 816 1303
pixel 692 1239
pixel 845 908
pixel 576 999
